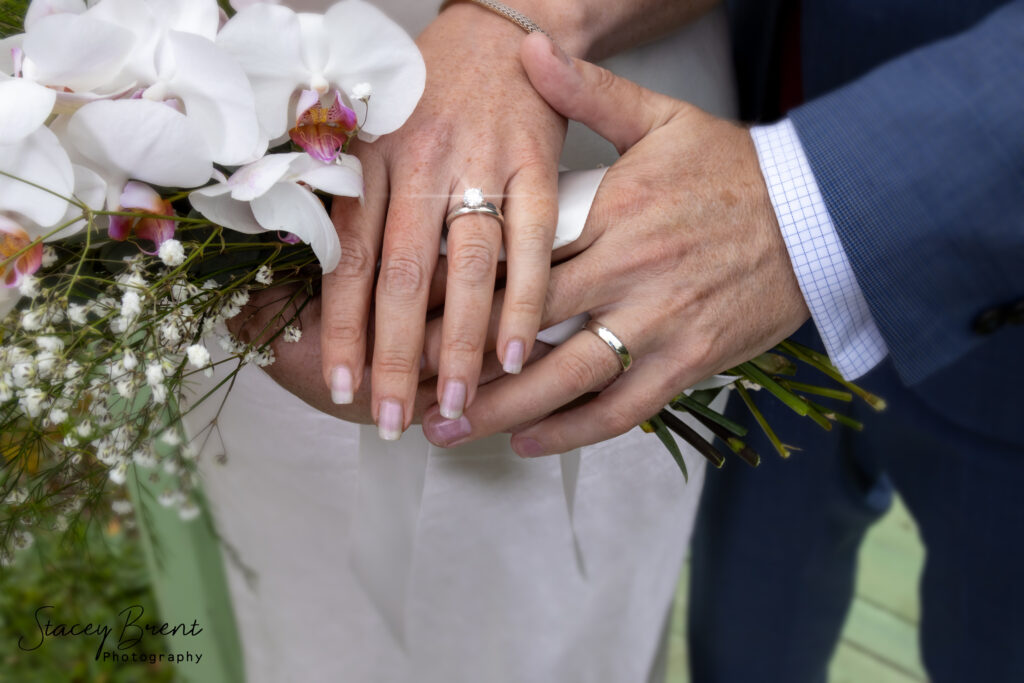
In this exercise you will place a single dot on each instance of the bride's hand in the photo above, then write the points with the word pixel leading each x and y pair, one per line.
pixel 479 124
pixel 683 260
pixel 297 364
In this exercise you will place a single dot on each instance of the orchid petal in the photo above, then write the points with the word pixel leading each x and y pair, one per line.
pixel 255 179
pixel 24 106
pixel 44 8
pixel 289 207
pixel 14 239
pixel 136 195
pixel 218 207
pixel 7 65
pixel 77 51
pixel 367 46
pixel 217 96
pixel 198 17
pixel 139 139
pixel 315 43
pixel 239 5
pixel 343 179
pixel 38 159
pixel 91 190
pixel 139 20
pixel 265 41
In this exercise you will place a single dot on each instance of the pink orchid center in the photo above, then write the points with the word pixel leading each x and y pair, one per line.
pixel 19 258
pixel 151 216
pixel 323 131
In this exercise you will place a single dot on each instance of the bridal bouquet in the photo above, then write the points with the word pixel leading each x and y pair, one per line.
pixel 160 162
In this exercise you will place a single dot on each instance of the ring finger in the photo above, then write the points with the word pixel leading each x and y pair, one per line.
pixel 474 242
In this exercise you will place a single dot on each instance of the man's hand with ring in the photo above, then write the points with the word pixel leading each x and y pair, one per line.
pixel 682 260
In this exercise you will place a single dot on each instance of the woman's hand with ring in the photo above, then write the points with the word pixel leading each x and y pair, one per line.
pixel 682 259
pixel 480 124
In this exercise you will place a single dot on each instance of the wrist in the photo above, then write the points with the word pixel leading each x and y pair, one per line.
pixel 563 22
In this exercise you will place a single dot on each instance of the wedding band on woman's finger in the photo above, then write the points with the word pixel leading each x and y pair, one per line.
pixel 612 340
pixel 473 202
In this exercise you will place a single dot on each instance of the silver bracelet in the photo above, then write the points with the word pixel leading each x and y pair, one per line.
pixel 515 16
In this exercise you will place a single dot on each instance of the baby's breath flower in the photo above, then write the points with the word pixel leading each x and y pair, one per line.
pixel 198 356
pixel 131 305
pixel 154 374
pixel 50 343
pixel 171 437
pixel 129 360
pixel 56 417
pixel 172 253
pixel 32 320
pixel 119 473
pixel 144 458
pixel 188 510
pixel 29 287
pixel 361 91
pixel 292 334
pixel 77 313
pixel 22 539
pixel 49 256
pixel 264 275
pixel 167 498
pixel 122 507
pixel 32 402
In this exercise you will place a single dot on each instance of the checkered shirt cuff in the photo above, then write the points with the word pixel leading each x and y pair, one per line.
pixel 837 304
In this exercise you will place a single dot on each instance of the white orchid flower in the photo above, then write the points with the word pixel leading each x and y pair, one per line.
pixel 162 50
pixel 273 194
pixel 28 165
pixel 353 46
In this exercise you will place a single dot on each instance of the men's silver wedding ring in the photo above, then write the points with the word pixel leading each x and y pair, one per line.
pixel 609 338
pixel 473 202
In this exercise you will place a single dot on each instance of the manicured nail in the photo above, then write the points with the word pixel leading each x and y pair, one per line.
pixel 453 400
pixel 341 385
pixel 444 432
pixel 527 447
pixel 389 420
pixel 514 351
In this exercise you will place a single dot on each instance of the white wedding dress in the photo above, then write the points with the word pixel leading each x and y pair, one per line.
pixel 362 562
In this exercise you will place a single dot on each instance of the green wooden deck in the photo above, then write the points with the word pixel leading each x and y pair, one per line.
pixel 879 643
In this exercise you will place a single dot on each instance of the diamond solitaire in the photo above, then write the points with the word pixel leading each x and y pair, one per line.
pixel 473 198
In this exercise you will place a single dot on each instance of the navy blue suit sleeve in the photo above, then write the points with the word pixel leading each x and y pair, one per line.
pixel 921 164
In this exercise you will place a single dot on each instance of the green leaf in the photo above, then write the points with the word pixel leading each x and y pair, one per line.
pixel 662 432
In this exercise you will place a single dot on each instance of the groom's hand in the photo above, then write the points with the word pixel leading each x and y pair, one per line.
pixel 479 124
pixel 683 261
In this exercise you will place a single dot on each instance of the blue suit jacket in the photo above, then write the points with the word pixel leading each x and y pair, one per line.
pixel 914 128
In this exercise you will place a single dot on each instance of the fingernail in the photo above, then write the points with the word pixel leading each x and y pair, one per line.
pixel 389 420
pixel 446 432
pixel 526 447
pixel 341 385
pixel 514 351
pixel 453 400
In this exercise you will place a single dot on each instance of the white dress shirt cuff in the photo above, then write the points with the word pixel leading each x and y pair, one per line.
pixel 837 304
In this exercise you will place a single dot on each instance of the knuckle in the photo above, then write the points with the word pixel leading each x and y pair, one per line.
pixel 576 372
pixel 394 363
pixel 533 238
pixel 472 262
pixel 526 306
pixel 343 333
pixel 357 262
pixel 462 345
pixel 403 275
pixel 616 420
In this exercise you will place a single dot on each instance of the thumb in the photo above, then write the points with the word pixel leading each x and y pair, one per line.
pixel 615 108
